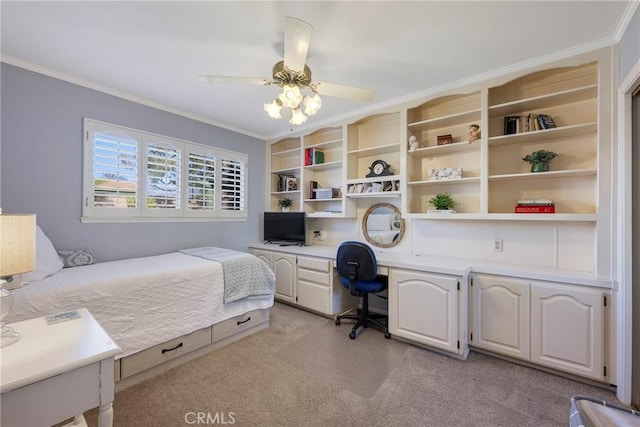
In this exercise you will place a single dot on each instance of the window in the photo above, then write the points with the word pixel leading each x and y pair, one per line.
pixel 130 175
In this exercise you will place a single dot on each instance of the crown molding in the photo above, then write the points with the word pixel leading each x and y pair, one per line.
pixel 627 16
pixel 123 95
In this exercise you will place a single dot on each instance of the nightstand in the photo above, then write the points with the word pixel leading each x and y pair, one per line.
pixel 57 371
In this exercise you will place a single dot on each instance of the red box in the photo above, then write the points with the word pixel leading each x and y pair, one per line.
pixel 535 209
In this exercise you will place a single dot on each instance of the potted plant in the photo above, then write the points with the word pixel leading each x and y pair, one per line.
pixel 442 201
pixel 285 204
pixel 540 160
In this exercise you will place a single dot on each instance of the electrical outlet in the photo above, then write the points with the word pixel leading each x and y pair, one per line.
pixel 319 234
pixel 497 245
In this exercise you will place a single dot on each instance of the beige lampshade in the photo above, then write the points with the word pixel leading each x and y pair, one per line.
pixel 17 243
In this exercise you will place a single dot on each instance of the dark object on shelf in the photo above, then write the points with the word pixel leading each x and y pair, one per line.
pixel 540 160
pixel 379 168
pixel 511 124
pixel 282 179
pixel 445 139
pixel 312 186
pixel 545 121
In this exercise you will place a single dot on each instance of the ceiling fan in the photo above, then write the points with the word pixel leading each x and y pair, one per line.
pixel 293 75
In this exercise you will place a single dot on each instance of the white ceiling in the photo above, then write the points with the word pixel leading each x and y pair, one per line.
pixel 154 51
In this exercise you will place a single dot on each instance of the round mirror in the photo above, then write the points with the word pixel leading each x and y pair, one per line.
pixel 382 225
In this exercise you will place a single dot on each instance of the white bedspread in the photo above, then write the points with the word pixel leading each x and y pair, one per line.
pixel 140 302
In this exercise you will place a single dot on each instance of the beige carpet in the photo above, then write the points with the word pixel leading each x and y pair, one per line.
pixel 360 365
pixel 300 372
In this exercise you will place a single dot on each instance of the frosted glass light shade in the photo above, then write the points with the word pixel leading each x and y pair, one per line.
pixel 290 96
pixel 273 109
pixel 297 118
pixel 312 104
pixel 17 243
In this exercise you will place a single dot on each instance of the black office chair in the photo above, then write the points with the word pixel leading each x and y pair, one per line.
pixel 357 265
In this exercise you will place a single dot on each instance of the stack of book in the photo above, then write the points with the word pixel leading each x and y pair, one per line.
pixel 535 206
pixel 313 156
pixel 528 123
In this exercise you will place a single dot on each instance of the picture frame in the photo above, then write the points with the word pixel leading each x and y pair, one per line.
pixel 291 184
pixel 445 139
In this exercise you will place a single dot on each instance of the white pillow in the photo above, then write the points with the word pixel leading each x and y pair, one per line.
pixel 379 222
pixel 47 260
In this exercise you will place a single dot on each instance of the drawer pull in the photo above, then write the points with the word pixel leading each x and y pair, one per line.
pixel 244 321
pixel 166 350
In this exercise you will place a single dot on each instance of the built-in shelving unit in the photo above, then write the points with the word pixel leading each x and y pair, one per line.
pixel 285 163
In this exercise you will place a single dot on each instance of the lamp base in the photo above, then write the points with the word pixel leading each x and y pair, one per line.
pixel 8 335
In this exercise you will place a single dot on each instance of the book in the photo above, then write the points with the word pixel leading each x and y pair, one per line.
pixel 535 209
pixel 546 122
pixel 511 124
pixel 535 202
pixel 312 186
pixel 445 139
pixel 307 156
pixel 318 157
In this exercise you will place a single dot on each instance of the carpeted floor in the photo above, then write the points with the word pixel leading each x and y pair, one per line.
pixel 305 371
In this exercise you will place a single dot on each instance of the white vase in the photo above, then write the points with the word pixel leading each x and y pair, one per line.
pixel 285 209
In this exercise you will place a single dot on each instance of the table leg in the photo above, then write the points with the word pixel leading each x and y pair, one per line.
pixel 105 415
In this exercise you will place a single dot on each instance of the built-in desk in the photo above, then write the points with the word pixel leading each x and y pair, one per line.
pixel 554 318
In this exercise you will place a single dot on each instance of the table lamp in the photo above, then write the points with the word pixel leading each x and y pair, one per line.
pixel 17 255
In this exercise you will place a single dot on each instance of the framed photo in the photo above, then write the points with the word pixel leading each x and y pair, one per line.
pixel 445 139
pixel 282 183
pixel 291 183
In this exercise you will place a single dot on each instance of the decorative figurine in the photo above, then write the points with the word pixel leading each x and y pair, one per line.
pixel 474 133
pixel 413 144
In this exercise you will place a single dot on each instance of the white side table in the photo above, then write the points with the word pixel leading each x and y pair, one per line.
pixel 56 372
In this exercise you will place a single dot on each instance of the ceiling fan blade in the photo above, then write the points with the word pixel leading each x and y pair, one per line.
pixel 343 91
pixel 297 35
pixel 234 80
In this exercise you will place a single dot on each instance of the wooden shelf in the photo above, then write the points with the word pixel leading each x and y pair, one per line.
pixel 372 151
pixel 469 180
pixel 324 200
pixel 287 153
pixel 285 171
pixel 544 175
pixel 327 145
pixel 544 101
pixel 445 121
pixel 544 135
pixel 374 179
pixel 325 166
pixel 507 217
pixel 438 150
pixel 372 194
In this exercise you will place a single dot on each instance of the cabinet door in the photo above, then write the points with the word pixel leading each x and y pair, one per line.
pixel 500 315
pixel 284 267
pixel 424 308
pixel 567 328
pixel 264 256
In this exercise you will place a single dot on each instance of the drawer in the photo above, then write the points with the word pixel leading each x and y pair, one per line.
pixel 164 352
pixel 314 296
pixel 314 276
pixel 237 324
pixel 317 264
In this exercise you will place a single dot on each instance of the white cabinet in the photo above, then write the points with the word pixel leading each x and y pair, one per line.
pixel 319 287
pixel 309 282
pixel 284 268
pixel 551 324
pixel 567 328
pixel 499 314
pixel 424 308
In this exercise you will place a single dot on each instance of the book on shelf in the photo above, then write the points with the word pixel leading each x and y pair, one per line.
pixel 312 186
pixel 307 157
pixel 317 156
pixel 535 209
pixel 545 121
pixel 511 124
pixel 535 202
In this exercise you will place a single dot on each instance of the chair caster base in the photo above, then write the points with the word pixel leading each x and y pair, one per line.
pixel 337 322
pixel 352 335
pixel 387 335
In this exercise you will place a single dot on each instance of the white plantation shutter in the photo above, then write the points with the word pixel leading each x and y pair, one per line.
pixel 232 185
pixel 115 176
pixel 131 175
pixel 163 177
pixel 201 181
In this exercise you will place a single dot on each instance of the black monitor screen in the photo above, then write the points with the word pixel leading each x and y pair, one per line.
pixel 284 227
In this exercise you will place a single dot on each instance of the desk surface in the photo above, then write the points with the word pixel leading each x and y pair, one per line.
pixel 449 265
pixel 48 350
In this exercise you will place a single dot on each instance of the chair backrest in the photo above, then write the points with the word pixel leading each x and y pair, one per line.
pixel 358 255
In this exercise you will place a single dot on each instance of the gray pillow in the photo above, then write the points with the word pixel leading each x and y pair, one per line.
pixel 77 258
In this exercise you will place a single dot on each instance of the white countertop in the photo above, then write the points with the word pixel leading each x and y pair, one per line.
pixel 450 265
pixel 44 351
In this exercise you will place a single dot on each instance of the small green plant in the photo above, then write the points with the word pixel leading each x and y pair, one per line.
pixel 285 203
pixel 540 156
pixel 442 201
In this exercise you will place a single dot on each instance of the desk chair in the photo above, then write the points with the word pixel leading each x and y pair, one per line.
pixel 357 265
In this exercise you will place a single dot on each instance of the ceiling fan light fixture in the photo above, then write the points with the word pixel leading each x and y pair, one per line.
pixel 273 109
pixel 290 96
pixel 312 104
pixel 297 117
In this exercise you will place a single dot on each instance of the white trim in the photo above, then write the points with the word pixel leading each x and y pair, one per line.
pixel 123 95
pixel 627 16
pixel 624 265
pixel 88 220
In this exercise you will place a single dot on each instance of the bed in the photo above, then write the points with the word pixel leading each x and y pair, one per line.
pixel 148 301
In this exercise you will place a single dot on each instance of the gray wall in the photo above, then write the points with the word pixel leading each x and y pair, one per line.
pixel 41 167
pixel 630 45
